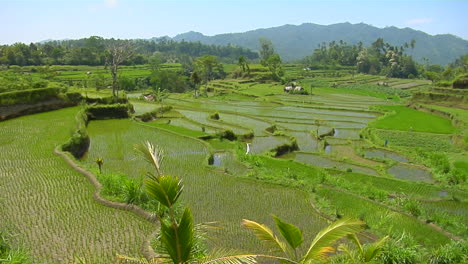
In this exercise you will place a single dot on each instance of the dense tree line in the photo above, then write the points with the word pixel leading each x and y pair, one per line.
pixel 92 51
pixel 379 58
pixel 456 71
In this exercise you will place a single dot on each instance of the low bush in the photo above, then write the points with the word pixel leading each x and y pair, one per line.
pixel 29 96
pixel 109 111
pixel 214 116
pixel 285 148
pixel 148 116
pixel 78 144
pixel 227 134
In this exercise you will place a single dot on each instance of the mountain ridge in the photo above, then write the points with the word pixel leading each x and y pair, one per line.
pixel 294 42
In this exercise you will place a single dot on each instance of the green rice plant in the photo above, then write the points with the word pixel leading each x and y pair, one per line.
pixel 51 203
pixel 184 156
pixel 407 119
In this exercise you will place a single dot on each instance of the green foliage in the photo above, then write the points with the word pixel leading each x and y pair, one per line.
pixel 177 238
pixel 461 82
pixel 291 233
pixel 454 252
pixel 108 111
pixel 424 141
pixel 211 159
pixel 408 119
pixel 78 144
pixel 164 189
pixel 285 148
pixel 214 116
pixel 227 134
pixel 401 251
pixel 412 206
pixel 10 255
pixel 30 96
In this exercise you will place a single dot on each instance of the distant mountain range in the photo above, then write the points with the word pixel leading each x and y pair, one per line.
pixel 295 42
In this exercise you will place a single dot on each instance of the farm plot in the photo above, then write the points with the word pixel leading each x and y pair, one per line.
pixel 410 172
pixel 324 162
pixel 263 144
pixel 331 112
pixel 121 156
pixel 182 122
pixel 384 154
pixel 417 190
pixel 378 217
pixel 305 141
pixel 425 141
pixel 258 126
pixel 204 119
pixel 212 195
pixel 142 107
pixel 49 205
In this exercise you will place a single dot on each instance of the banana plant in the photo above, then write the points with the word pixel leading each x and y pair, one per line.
pixel 292 238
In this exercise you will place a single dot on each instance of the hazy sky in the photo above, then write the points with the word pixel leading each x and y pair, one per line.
pixel 36 20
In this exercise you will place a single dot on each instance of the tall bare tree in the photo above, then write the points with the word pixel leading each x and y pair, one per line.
pixel 118 51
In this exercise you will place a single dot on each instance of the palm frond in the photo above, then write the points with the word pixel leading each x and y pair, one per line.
pixel 356 241
pixel 374 249
pixel 321 245
pixel 178 238
pixel 125 259
pixel 291 233
pixel 152 155
pixel 223 256
pixel 265 234
pixel 165 189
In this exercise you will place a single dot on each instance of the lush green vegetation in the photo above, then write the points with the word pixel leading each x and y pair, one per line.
pixel 407 119
pixel 58 218
pixel 342 147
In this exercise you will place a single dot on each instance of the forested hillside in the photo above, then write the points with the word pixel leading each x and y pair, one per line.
pixel 294 42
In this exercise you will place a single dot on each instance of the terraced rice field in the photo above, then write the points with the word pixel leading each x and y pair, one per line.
pixel 49 206
pixel 211 194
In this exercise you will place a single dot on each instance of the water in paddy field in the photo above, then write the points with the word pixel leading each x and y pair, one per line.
pixel 375 153
pixel 218 158
pixel 410 173
pixel 325 162
pixel 328 149
pixel 443 193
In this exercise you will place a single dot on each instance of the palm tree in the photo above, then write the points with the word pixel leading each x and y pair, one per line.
pixel 365 254
pixel 177 237
pixel 319 248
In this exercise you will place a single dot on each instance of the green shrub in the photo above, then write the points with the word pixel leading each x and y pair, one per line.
pixel 227 134
pixel 440 162
pixel 214 116
pixel 211 159
pixel 74 97
pixel 78 144
pixel 122 99
pixel 271 129
pixel 454 252
pixel 401 251
pixel 413 207
pixel 247 136
pixel 285 148
pixel 108 111
pixel 461 82
pixel 30 96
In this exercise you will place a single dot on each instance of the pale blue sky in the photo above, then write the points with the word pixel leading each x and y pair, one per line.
pixel 36 20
